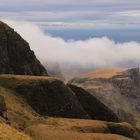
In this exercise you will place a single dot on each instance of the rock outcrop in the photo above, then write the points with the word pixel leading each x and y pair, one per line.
pixel 16 56
pixel 118 89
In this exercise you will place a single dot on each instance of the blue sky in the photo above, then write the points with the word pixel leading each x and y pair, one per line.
pixel 74 13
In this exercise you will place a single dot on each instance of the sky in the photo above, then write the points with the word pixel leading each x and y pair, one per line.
pixel 74 13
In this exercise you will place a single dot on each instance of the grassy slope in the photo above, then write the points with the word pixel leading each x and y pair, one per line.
pixel 22 116
pixel 19 112
pixel 71 129
pixel 9 133
pixel 46 95
pixel 104 73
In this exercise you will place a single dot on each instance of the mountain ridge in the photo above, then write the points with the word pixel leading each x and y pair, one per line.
pixel 16 57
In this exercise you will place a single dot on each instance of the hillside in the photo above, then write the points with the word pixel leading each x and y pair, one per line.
pixel 31 95
pixel 9 133
pixel 118 89
pixel 74 129
pixel 31 99
pixel 16 57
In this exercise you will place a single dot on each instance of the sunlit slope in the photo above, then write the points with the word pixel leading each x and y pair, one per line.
pixel 9 133
pixel 72 129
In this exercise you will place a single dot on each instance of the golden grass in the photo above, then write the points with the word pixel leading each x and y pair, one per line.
pixel 9 133
pixel 44 132
pixel 27 77
pixel 79 125
pixel 76 129
pixel 104 73
pixel 19 112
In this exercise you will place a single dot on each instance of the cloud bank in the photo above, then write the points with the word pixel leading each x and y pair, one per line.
pixel 91 53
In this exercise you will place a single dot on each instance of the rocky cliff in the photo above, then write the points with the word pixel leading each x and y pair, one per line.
pixel 118 89
pixel 16 57
pixel 95 109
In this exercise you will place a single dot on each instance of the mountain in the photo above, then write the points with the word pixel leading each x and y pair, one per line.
pixel 47 96
pixel 118 89
pixel 16 57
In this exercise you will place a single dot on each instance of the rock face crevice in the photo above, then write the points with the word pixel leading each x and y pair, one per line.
pixel 16 57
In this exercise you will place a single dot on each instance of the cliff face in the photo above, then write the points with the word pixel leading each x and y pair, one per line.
pixel 15 54
pixel 118 89
pixel 129 85
pixel 95 109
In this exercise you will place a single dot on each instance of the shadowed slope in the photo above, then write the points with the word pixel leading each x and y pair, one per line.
pixel 15 54
pixel 46 95
pixel 93 106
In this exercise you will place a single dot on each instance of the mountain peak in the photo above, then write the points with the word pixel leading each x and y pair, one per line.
pixel 16 57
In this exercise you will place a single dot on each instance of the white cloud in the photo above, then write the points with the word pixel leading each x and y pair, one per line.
pixel 129 14
pixel 94 52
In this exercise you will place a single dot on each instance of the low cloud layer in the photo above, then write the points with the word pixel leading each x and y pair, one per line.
pixel 91 53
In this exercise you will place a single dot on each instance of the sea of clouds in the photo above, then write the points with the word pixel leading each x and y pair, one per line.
pixel 91 53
